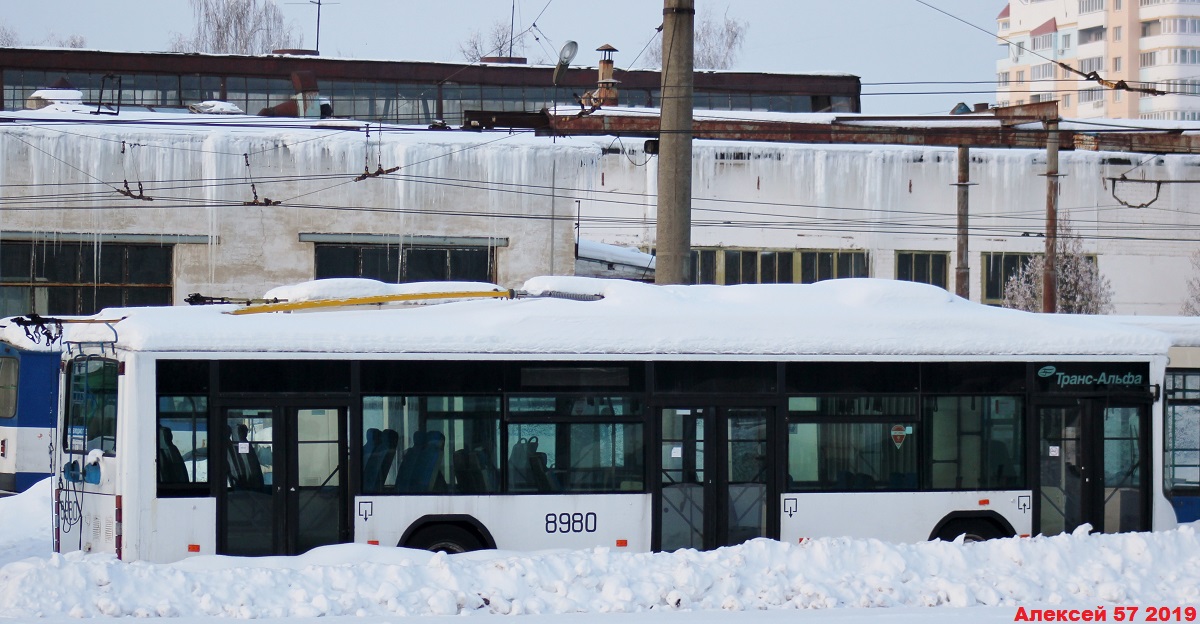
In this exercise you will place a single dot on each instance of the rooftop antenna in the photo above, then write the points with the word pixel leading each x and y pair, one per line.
pixel 512 27
pixel 317 46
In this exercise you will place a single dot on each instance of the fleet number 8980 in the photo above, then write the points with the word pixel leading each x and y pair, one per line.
pixel 571 522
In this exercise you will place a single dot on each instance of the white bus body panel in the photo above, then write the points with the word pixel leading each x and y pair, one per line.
pixel 516 522
pixel 177 524
pixel 95 527
pixel 893 516
pixel 26 450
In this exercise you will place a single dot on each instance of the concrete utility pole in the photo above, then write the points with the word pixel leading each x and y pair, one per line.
pixel 674 234
pixel 1050 269
pixel 962 271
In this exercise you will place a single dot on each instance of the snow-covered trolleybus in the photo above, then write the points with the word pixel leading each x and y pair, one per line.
pixel 602 413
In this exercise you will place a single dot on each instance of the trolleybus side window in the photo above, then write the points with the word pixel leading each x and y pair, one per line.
pixel 8 386
pixel 182 442
pixel 181 437
pixel 975 443
pixel 92 406
pixel 431 444
pixel 853 443
pixel 1181 470
pixel 575 444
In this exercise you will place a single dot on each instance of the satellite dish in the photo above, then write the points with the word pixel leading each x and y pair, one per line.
pixel 565 56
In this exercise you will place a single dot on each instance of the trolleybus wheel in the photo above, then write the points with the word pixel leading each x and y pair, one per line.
pixel 445 538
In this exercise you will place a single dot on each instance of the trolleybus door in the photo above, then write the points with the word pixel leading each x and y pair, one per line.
pixel 713 471
pixel 1092 466
pixel 285 489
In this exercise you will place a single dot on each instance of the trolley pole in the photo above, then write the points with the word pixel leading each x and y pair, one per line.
pixel 962 271
pixel 675 145
pixel 1050 268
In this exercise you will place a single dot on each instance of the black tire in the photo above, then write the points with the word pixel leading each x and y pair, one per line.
pixel 971 530
pixel 446 538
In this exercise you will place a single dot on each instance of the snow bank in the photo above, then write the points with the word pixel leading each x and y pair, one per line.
pixel 373 581
pixel 25 522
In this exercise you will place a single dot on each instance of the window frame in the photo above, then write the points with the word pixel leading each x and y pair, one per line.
pixel 63 278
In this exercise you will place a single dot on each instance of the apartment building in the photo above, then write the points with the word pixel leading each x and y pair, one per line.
pixel 1146 43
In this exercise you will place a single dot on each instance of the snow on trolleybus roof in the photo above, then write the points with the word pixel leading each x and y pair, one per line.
pixel 844 317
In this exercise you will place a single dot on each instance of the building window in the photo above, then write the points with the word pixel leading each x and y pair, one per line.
pixel 926 267
pixel 816 266
pixel 998 267
pixel 1066 41
pixel 1093 64
pixel 1148 59
pixel 1042 42
pixel 1091 95
pixel 1116 33
pixel 770 266
pixel 1020 76
pixel 1116 63
pixel 1045 71
pixel 399 264
pixel 1066 100
pixel 82 277
pixel 1002 79
pixel 1091 35
pixel 1117 5
pixel 743 266
pixel 1090 6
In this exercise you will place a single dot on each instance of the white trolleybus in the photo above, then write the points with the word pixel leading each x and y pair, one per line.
pixel 589 413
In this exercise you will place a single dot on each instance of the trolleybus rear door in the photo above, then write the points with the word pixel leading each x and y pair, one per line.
pixel 1092 466
pixel 284 480
pixel 713 471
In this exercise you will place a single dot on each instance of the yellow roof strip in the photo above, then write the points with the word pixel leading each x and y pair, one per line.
pixel 370 300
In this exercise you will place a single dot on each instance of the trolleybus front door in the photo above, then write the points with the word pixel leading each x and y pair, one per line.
pixel 713 471
pixel 284 480
pixel 1092 467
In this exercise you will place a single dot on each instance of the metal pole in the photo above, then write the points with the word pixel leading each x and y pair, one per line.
pixel 1050 268
pixel 675 145
pixel 962 272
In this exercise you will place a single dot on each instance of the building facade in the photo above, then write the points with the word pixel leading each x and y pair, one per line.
pixel 398 92
pixel 149 210
pixel 1151 44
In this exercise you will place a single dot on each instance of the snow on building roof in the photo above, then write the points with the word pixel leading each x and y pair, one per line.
pixel 847 317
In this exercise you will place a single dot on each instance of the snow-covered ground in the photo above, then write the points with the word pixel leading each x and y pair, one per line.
pixel 762 582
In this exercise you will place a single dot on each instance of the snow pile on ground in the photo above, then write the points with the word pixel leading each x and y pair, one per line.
pixel 361 580
pixel 25 524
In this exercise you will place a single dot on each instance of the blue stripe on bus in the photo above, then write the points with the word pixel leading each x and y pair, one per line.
pixel 1187 508
pixel 21 481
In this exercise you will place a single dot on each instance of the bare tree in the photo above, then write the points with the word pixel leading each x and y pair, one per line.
pixel 1081 288
pixel 70 41
pixel 1191 305
pixel 237 27
pixel 497 41
pixel 8 37
pixel 718 41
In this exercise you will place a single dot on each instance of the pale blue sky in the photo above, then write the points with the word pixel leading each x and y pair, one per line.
pixel 879 40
